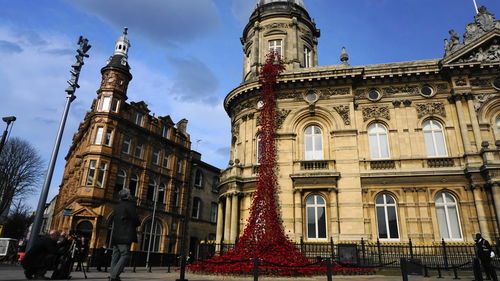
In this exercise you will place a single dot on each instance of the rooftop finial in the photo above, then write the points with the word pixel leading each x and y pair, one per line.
pixel 122 44
pixel 344 57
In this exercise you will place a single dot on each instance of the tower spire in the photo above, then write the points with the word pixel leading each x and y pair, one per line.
pixel 122 44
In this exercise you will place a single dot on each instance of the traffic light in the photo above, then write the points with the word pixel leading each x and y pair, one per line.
pixel 77 66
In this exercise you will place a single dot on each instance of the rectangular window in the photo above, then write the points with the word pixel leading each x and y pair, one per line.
pixel 165 160
pixel 114 105
pixel 155 158
pixel 91 172
pixel 98 135
pixel 307 57
pixel 275 46
pixel 179 166
pixel 164 132
pixel 126 145
pixel 105 103
pixel 138 119
pixel 101 175
pixel 109 136
pixel 138 150
pixel 213 212
pixel 196 208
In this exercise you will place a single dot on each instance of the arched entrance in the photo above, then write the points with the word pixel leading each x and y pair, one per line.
pixel 84 228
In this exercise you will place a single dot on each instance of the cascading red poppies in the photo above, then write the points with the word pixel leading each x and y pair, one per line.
pixel 264 237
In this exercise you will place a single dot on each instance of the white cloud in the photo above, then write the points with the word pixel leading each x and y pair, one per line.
pixel 168 22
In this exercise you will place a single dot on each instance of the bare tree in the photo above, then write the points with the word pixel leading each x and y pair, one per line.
pixel 21 170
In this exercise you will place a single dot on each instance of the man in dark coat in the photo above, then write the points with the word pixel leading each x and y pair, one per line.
pixel 485 253
pixel 41 256
pixel 125 222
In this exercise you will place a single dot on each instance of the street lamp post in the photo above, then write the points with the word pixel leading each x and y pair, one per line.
pixel 8 120
pixel 148 266
pixel 185 223
pixel 70 97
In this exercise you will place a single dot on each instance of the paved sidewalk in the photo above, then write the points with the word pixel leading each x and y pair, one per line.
pixel 15 273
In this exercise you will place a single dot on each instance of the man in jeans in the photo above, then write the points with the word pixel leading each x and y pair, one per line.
pixel 125 222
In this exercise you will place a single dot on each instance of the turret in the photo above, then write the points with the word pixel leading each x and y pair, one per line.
pixel 283 26
pixel 115 77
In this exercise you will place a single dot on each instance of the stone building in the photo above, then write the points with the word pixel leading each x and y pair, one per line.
pixel 393 151
pixel 120 145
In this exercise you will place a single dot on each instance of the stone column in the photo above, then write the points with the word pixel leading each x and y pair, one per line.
pixel 463 124
pixel 234 218
pixel 256 49
pixel 481 214
pixel 220 222
pixel 474 121
pixel 297 209
pixel 495 190
pixel 334 214
pixel 227 220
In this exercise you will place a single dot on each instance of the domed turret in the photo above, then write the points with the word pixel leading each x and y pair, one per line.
pixel 283 26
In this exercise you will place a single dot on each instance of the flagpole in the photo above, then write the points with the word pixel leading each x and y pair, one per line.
pixel 475 6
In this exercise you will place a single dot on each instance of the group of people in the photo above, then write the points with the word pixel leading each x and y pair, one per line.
pixel 58 251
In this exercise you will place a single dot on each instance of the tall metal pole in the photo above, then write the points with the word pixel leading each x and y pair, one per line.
pixel 475 6
pixel 185 223
pixel 70 97
pixel 152 225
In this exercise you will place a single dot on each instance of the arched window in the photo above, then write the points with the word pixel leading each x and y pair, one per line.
pixel 175 198
pixel 134 181
pixel 121 179
pixel 379 144
pixel 316 217
pixel 498 125
pixel 150 193
pixel 154 236
pixel 434 138
pixel 260 149
pixel 387 217
pixel 198 179
pixel 447 215
pixel 110 231
pixel 313 143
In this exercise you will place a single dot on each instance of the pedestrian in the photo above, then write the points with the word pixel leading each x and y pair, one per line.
pixel 41 256
pixel 485 254
pixel 82 250
pixel 125 222
pixel 100 257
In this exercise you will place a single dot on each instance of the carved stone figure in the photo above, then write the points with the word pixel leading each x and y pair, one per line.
pixel 485 20
pixel 486 53
pixel 453 44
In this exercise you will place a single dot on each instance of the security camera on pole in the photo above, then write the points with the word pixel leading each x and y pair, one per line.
pixel 70 91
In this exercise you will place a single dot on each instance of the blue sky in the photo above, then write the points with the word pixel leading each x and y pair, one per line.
pixel 186 56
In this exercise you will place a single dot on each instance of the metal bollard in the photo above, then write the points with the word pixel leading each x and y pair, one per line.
pixel 256 269
pixel 439 272
pixel 329 269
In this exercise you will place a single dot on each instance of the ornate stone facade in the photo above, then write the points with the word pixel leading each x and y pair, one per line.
pixel 413 137
pixel 120 145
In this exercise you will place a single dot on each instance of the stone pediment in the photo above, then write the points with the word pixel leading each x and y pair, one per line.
pixel 483 50
pixel 480 44
pixel 84 212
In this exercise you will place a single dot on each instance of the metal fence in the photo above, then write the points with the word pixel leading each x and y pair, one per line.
pixel 378 254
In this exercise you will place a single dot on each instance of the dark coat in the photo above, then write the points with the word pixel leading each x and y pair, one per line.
pixel 483 249
pixel 125 222
pixel 44 249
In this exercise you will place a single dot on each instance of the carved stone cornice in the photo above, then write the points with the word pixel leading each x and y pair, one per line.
pixel 481 99
pixel 329 92
pixel 406 90
pixel 343 111
pixel 376 112
pixel 431 108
